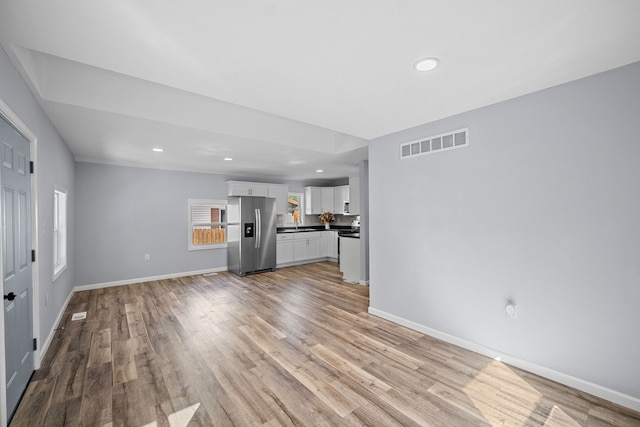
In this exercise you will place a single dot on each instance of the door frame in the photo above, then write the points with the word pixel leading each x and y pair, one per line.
pixel 13 119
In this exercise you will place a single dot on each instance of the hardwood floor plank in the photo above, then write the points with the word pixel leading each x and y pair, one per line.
pixel 100 351
pixel 71 379
pixel 346 367
pixel 65 414
pixel 95 409
pixel 294 347
pixel 137 328
pixel 124 365
pixel 385 350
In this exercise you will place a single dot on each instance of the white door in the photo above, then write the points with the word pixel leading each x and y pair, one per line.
pixel 15 210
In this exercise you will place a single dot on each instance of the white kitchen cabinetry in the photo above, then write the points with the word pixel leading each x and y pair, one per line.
pixel 284 248
pixel 281 194
pixel 350 259
pixel 327 199
pixel 354 195
pixel 306 245
pixel 312 200
pixel 241 188
pixel 330 244
pixel 318 200
pixel 341 195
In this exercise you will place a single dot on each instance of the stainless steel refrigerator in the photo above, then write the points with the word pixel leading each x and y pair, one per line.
pixel 251 225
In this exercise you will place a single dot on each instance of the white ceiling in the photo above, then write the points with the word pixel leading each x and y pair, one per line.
pixel 287 87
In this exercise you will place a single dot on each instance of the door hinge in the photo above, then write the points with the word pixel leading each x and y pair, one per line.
pixel 31 167
pixel 35 344
pixel 33 255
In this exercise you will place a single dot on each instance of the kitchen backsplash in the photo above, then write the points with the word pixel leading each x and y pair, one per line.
pixel 338 219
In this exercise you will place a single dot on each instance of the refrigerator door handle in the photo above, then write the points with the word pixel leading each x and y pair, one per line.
pixel 258 228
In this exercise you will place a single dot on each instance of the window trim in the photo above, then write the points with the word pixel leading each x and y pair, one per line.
pixel 190 204
pixel 59 263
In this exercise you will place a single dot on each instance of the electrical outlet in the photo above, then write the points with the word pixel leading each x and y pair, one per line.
pixel 147 257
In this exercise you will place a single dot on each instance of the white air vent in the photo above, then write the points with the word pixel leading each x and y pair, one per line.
pixel 434 144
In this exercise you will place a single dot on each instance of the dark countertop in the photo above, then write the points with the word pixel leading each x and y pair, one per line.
pixel 307 228
pixel 351 235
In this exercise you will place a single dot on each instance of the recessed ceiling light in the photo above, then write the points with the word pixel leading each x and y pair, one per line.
pixel 319 170
pixel 427 64
pixel 158 150
pixel 228 159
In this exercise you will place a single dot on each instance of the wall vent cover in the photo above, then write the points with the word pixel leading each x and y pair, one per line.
pixel 434 144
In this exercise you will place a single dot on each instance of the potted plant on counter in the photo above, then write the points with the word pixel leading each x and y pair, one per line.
pixel 326 218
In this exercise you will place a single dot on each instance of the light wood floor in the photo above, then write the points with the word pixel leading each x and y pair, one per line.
pixel 292 347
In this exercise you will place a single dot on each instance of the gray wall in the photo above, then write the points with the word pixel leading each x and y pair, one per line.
pixel 54 166
pixel 124 213
pixel 543 208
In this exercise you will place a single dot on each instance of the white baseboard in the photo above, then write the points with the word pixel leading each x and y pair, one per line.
pixel 577 383
pixel 146 279
pixel 42 351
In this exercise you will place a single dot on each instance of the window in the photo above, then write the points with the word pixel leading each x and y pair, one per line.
pixel 295 210
pixel 59 231
pixel 207 224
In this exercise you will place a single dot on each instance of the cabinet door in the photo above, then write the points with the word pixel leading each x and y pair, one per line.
pixel 324 244
pixel 284 251
pixel 236 188
pixel 300 249
pixel 241 188
pixel 354 195
pixel 332 244
pixel 312 200
pixel 341 195
pixel 313 248
pixel 327 199
pixel 281 194
pixel 259 190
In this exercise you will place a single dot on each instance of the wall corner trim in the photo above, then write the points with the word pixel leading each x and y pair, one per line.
pixel 577 383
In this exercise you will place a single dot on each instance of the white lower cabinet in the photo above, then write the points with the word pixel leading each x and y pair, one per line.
pixel 284 248
pixel 350 259
pixel 330 244
pixel 306 245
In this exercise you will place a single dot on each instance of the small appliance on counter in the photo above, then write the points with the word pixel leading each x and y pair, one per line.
pixel 251 224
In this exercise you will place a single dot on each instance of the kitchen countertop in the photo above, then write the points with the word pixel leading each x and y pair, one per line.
pixel 308 228
pixel 351 235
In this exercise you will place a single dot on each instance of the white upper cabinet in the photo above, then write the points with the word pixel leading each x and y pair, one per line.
pixel 281 194
pixel 241 188
pixel 327 199
pixel 312 200
pixel 318 200
pixel 341 196
pixel 354 195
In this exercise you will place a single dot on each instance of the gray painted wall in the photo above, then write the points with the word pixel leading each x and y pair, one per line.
pixel 54 166
pixel 124 213
pixel 543 208
pixel 364 221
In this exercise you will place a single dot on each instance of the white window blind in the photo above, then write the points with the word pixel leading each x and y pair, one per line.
pixel 207 223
